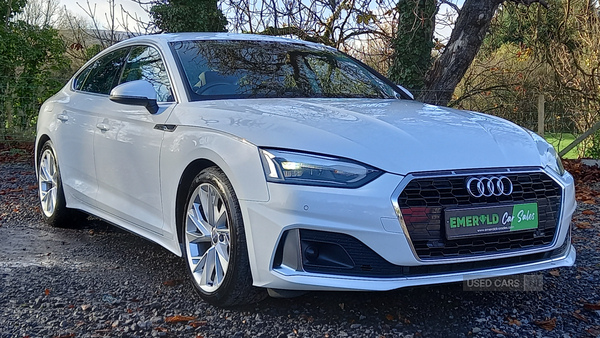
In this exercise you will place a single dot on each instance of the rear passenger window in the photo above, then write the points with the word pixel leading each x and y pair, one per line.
pixel 103 74
pixel 145 63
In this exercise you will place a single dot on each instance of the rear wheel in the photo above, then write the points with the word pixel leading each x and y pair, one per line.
pixel 51 194
pixel 215 243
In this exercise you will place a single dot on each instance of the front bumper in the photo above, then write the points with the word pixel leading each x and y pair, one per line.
pixel 293 280
pixel 368 215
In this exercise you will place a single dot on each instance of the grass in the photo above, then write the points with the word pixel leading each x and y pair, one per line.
pixel 561 141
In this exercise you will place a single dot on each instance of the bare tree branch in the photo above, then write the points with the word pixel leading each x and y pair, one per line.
pixel 451 5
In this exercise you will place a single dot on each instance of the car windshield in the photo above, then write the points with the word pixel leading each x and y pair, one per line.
pixel 256 69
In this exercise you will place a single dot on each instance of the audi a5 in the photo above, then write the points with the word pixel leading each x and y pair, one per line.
pixel 277 166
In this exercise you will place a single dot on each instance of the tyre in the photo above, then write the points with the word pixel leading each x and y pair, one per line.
pixel 51 194
pixel 214 242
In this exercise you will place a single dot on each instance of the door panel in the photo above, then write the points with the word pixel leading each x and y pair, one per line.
pixel 127 150
pixel 127 146
pixel 74 143
pixel 75 126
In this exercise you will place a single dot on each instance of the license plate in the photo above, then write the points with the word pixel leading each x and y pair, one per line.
pixel 473 222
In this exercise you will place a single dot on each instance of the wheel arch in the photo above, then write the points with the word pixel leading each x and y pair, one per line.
pixel 41 140
pixel 40 143
pixel 188 175
pixel 237 286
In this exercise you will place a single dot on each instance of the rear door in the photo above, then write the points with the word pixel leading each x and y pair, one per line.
pixel 76 127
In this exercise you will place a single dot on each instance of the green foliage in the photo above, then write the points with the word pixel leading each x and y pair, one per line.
pixel 8 8
pixel 188 16
pixel 532 51
pixel 92 50
pixel 31 62
pixel 593 150
pixel 560 141
pixel 530 26
pixel 413 43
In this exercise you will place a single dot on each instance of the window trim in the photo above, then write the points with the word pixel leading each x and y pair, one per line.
pixel 162 59
pixel 179 68
pixel 188 89
pixel 90 63
pixel 130 46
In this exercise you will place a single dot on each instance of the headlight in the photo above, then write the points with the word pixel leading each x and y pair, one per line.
pixel 307 169
pixel 548 154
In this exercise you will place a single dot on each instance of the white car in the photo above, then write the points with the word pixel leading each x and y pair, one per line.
pixel 277 164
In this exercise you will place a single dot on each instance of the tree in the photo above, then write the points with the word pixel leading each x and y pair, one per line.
pixel 187 16
pixel 531 51
pixel 10 8
pixel 86 35
pixel 413 43
pixel 30 58
pixel 343 24
pixel 346 24
pixel 467 36
pixel 41 13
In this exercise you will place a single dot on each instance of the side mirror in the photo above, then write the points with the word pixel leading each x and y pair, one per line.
pixel 405 91
pixel 137 93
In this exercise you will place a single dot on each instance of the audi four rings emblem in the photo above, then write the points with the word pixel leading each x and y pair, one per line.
pixel 488 186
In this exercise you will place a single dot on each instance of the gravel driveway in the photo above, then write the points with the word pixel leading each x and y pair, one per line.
pixel 100 281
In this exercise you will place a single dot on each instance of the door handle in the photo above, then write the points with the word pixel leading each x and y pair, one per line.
pixel 103 126
pixel 63 117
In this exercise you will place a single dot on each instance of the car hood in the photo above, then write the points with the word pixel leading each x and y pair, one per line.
pixel 398 136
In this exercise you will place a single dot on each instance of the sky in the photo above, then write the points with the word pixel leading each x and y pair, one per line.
pixel 103 7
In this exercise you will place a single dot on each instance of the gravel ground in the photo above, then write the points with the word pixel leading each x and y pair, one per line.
pixel 99 281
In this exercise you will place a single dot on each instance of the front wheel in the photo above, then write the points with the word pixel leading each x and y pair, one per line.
pixel 51 194
pixel 215 243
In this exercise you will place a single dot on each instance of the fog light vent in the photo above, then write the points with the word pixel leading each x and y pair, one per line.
pixel 311 253
pixel 317 253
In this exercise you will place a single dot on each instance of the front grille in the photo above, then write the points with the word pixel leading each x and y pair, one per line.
pixel 424 199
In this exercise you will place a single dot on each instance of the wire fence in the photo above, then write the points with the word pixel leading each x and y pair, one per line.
pixel 21 97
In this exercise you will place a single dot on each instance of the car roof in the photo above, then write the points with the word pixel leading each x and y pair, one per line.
pixel 173 37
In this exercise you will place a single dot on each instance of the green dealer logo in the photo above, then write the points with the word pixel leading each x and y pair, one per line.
pixel 519 217
pixel 474 220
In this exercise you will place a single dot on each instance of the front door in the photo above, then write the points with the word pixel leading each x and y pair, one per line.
pixel 127 147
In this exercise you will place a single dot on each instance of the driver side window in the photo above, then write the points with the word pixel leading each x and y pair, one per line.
pixel 145 63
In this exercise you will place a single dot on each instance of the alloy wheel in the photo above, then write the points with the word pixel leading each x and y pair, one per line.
pixel 48 182
pixel 207 237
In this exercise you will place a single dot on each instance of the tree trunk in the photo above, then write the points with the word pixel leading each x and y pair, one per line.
pixel 413 43
pixel 467 36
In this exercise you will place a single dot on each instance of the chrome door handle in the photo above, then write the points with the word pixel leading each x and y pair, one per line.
pixel 103 126
pixel 63 117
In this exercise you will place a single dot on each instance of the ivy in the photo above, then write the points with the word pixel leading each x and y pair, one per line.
pixel 413 43
pixel 188 16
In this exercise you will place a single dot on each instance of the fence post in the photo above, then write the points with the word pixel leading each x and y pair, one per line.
pixel 541 115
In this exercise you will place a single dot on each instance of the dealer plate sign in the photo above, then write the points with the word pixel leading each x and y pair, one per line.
pixel 472 222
